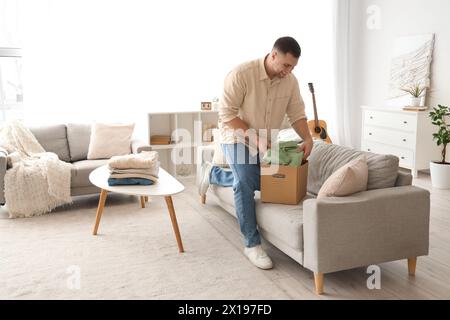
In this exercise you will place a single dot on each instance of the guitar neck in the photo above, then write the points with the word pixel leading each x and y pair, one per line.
pixel 316 117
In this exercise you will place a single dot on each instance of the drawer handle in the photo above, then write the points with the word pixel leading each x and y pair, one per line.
pixel 370 133
pixel 405 122
pixel 403 158
pixel 404 140
pixel 368 150
pixel 370 118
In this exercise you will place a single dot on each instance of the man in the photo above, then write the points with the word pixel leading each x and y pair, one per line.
pixel 257 95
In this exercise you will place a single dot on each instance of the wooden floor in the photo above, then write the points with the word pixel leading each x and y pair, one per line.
pixel 432 280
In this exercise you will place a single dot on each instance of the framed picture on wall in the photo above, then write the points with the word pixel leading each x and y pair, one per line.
pixel 410 70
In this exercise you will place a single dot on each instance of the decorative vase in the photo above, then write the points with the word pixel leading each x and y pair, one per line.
pixel 416 101
pixel 440 175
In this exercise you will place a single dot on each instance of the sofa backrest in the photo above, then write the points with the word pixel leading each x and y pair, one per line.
pixel 53 138
pixel 327 158
pixel 79 137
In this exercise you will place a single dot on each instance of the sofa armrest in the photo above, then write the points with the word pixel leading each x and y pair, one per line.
pixel 137 146
pixel 3 167
pixel 403 179
pixel 366 228
pixel 204 154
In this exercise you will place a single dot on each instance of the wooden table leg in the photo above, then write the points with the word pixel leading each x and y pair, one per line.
pixel 101 206
pixel 174 222
pixel 318 280
pixel 142 201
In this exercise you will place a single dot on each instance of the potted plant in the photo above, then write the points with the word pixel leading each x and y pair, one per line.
pixel 440 170
pixel 416 90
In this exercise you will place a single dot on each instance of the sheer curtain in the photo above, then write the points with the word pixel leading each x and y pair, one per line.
pixel 115 60
pixel 341 23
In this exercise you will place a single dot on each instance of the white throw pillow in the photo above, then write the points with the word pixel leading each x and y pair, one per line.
pixel 218 157
pixel 109 140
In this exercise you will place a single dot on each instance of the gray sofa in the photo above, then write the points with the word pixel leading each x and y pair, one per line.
pixel 71 143
pixel 388 222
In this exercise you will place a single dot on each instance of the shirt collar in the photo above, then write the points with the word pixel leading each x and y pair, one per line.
pixel 262 70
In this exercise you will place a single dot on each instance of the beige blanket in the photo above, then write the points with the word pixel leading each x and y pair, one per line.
pixel 38 181
pixel 143 160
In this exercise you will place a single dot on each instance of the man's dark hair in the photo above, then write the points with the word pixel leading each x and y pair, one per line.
pixel 288 44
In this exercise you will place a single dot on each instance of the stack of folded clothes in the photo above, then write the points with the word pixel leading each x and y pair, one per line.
pixel 134 169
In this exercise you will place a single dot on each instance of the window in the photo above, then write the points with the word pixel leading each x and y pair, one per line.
pixel 11 93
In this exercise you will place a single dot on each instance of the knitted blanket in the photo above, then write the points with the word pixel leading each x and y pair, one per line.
pixel 38 181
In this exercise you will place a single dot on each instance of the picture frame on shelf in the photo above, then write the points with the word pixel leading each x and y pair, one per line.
pixel 206 106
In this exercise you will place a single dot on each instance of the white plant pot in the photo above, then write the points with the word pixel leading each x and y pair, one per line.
pixel 440 175
pixel 415 102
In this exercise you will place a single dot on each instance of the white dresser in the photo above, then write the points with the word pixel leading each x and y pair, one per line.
pixel 405 134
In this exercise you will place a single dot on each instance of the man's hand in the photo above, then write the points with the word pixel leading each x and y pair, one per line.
pixel 263 145
pixel 306 147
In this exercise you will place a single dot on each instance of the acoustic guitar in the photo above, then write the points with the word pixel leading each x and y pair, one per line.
pixel 318 128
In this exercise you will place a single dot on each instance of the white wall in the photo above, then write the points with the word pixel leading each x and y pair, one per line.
pixel 370 50
pixel 118 59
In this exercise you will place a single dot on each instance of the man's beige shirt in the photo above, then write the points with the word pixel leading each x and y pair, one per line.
pixel 260 102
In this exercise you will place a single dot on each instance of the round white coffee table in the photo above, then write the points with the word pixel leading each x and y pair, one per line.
pixel 166 187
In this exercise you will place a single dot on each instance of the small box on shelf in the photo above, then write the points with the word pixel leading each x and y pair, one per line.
pixel 160 139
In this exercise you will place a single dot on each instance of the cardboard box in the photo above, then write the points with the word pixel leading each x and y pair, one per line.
pixel 285 184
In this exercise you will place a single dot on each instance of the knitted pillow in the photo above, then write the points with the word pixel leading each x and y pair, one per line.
pixel 218 157
pixel 325 159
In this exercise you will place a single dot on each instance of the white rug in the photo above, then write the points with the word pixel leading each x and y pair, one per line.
pixel 135 255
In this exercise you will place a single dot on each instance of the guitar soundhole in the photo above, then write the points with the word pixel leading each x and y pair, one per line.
pixel 317 130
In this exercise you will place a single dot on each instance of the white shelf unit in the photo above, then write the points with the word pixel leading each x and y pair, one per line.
pixel 186 129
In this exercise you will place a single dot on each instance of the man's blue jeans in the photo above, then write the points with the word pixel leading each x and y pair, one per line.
pixel 245 180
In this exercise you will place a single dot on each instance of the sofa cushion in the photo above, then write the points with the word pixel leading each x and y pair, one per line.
pixel 108 140
pixel 325 159
pixel 53 138
pixel 78 136
pixel 283 221
pixel 348 179
pixel 81 170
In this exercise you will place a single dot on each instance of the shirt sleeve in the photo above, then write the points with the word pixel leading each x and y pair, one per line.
pixel 296 107
pixel 233 95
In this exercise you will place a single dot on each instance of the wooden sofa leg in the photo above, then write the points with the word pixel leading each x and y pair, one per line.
pixel 203 198
pixel 412 266
pixel 318 280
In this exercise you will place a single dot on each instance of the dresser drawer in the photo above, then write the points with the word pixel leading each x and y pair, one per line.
pixel 406 156
pixel 397 138
pixel 398 121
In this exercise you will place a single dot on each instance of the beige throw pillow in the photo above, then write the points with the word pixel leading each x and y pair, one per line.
pixel 348 179
pixel 109 140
